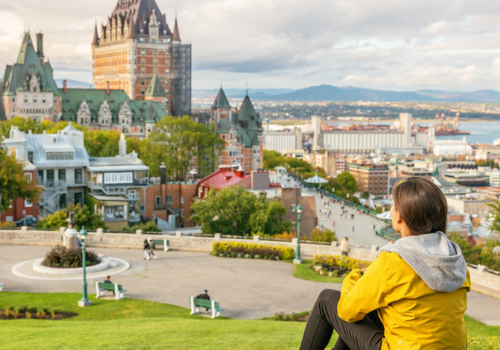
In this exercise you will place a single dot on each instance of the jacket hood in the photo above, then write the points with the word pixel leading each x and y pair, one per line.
pixel 438 261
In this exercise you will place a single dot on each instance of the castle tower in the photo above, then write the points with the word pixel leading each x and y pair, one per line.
pixel 135 44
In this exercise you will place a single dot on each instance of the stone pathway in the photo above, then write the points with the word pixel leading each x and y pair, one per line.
pixel 247 289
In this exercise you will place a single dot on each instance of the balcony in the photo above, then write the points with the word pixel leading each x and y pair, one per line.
pixel 163 206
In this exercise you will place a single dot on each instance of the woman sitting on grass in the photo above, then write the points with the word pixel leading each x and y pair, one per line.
pixel 413 296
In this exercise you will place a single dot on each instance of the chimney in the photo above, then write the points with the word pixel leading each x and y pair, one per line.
pixel 65 86
pixel 39 46
pixel 108 89
pixel 163 173
pixel 122 146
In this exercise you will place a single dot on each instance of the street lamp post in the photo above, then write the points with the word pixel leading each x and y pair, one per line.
pixel 85 300
pixel 298 259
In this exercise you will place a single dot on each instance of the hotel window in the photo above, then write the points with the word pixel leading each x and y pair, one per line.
pixel 26 99
pixel 13 109
pixel 143 61
pixel 167 62
pixel 167 71
pixel 50 175
pixel 158 200
pixel 27 203
pixel 35 99
pixel 169 199
pixel 143 71
pixel 78 176
pixel 142 92
pixel 40 175
pixel 43 99
pixel 155 53
pixel 182 200
pixel 62 201
pixel 13 100
pixel 78 199
pixel 155 70
pixel 143 52
pixel 28 177
pixel 62 175
pixel 155 62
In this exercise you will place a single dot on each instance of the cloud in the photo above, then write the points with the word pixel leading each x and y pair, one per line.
pixel 386 44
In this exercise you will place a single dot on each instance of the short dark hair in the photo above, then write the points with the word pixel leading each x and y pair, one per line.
pixel 422 205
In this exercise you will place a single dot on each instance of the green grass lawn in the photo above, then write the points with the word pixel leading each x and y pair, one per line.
pixel 305 272
pixel 136 324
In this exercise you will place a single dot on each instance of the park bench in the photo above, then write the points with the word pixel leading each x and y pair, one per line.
pixel 164 242
pixel 100 288
pixel 197 304
pixel 1 286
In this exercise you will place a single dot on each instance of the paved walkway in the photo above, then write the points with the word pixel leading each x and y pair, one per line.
pixel 247 289
pixel 363 234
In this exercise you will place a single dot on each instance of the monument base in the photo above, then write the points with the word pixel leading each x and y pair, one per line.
pixel 297 261
pixel 83 303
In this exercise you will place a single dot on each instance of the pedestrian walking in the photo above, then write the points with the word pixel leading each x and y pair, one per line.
pixel 151 252
pixel 334 224
pixel 344 247
pixel 374 228
pixel 146 250
pixel 353 229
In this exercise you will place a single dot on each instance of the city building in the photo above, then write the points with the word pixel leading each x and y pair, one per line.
pixel 334 163
pixel 371 178
pixel 28 87
pixel 60 160
pixel 20 208
pixel 135 44
pixel 283 141
pixel 471 203
pixel 113 109
pixel 243 132
pixel 169 205
pixel 455 148
pixel 116 187
pixel 495 178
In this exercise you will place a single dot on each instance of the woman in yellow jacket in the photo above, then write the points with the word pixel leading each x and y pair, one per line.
pixel 413 296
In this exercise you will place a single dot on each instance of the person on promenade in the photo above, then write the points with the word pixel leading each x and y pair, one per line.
pixel 204 295
pixel 151 252
pixel 413 296
pixel 146 250
pixel 108 280
pixel 344 247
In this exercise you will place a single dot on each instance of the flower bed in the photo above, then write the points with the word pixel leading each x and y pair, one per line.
pixel 335 265
pixel 251 251
pixel 29 313
pixel 60 257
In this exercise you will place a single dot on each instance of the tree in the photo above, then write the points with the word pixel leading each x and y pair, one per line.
pixel 101 143
pixel 495 213
pixel 365 195
pixel 83 217
pixel 273 159
pixel 180 143
pixel 348 182
pixel 464 245
pixel 13 183
pixel 235 211
pixel 149 226
pixel 333 185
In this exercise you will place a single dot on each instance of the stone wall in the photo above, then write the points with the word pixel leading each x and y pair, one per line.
pixel 480 275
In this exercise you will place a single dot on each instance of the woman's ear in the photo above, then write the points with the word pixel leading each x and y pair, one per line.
pixel 399 217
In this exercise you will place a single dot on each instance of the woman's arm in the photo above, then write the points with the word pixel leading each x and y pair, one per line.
pixel 363 293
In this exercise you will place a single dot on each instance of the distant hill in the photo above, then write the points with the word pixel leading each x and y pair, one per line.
pixel 74 84
pixel 240 93
pixel 350 94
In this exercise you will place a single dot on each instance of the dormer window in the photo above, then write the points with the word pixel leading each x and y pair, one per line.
pixel 104 109
pixel 125 110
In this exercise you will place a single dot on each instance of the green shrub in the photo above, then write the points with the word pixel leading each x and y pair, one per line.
pixel 322 236
pixel 32 310
pixel 336 261
pixel 69 258
pixel 250 250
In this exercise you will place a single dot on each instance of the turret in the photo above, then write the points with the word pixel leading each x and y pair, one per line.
pixel 176 37
pixel 39 46
pixel 95 41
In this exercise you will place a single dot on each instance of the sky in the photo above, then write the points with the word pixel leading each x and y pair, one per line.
pixel 401 45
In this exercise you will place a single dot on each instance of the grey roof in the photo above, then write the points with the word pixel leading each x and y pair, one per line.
pixel 130 162
pixel 41 143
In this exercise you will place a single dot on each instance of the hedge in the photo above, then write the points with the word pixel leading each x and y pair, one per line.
pixel 340 261
pixel 253 251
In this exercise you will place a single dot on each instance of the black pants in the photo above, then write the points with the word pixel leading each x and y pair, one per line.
pixel 366 334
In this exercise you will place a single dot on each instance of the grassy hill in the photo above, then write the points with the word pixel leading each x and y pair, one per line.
pixel 139 324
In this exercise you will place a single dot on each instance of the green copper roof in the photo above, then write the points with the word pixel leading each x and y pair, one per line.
pixel 246 123
pixel 142 111
pixel 221 100
pixel 155 88
pixel 28 64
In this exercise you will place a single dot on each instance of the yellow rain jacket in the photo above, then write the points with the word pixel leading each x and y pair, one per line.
pixel 414 315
